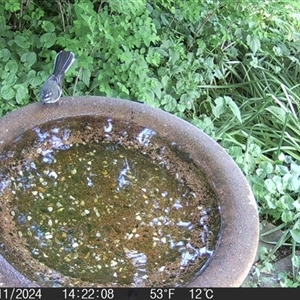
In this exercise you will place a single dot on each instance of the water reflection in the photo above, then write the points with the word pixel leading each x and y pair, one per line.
pixel 144 137
pixel 106 211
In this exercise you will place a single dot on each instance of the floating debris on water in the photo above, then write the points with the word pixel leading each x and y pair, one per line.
pixel 109 204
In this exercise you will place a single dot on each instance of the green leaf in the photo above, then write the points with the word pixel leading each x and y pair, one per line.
pixel 291 182
pixel 271 203
pixel 296 260
pixel 287 202
pixel 48 26
pixel 234 108
pixel 296 204
pixel 11 67
pixel 270 185
pixel 22 41
pixel 258 190
pixel 205 124
pixel 28 58
pixel 10 79
pixel 220 107
pixel 266 166
pixel 21 93
pixel 222 103
pixel 7 92
pixel 296 235
pixel 173 56
pixel 282 170
pixel 278 112
pixel 123 88
pixel 34 79
pixel 85 76
pixel 236 152
pixel 48 39
pixel 254 43
pixel 279 184
pixel 37 14
pixel 169 103
pixel 295 169
pixel 255 150
pixel 165 81
pixel 4 54
pixel 157 89
pixel 12 6
pixel 287 216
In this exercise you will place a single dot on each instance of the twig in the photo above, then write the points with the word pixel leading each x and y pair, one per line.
pixel 76 81
pixel 62 15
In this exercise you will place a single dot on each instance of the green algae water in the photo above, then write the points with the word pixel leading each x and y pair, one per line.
pixel 107 203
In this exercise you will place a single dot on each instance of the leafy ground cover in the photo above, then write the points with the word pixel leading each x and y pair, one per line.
pixel 230 68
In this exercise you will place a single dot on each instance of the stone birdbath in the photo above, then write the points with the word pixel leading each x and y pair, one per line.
pixel 118 189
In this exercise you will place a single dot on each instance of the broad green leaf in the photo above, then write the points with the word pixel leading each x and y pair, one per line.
pixel 186 100
pixel 22 41
pixel 169 103
pixel 278 112
pixel 295 169
pixel 271 203
pixel 287 202
pixel 4 54
pixel 7 92
pixel 12 6
pixel 124 76
pixel 270 185
pixel 48 26
pixel 261 173
pixel 282 170
pixel 222 103
pixel 218 73
pixel 296 235
pixel 220 107
pixel 205 124
pixel 254 43
pixel 10 79
pixel 296 259
pixel 209 62
pixel 48 39
pixel 37 14
pixel 35 81
pixel 279 183
pixel 266 166
pixel 255 150
pixel 11 66
pixel 296 204
pixel 28 58
pixel 234 108
pixel 291 182
pixel 21 93
pixel 287 216
pixel 173 56
pixel 90 22
pixel 123 88
pixel 156 88
pixel 85 76
pixel 235 151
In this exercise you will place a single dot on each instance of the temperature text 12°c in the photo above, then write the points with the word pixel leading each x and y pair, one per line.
pixel 201 294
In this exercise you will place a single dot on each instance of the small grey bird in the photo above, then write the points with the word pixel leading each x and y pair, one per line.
pixel 52 88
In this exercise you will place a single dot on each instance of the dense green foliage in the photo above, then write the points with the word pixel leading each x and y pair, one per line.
pixel 229 67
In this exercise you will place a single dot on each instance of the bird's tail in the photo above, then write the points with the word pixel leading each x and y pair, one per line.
pixel 63 62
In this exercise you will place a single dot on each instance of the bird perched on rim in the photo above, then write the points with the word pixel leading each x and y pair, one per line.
pixel 52 88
